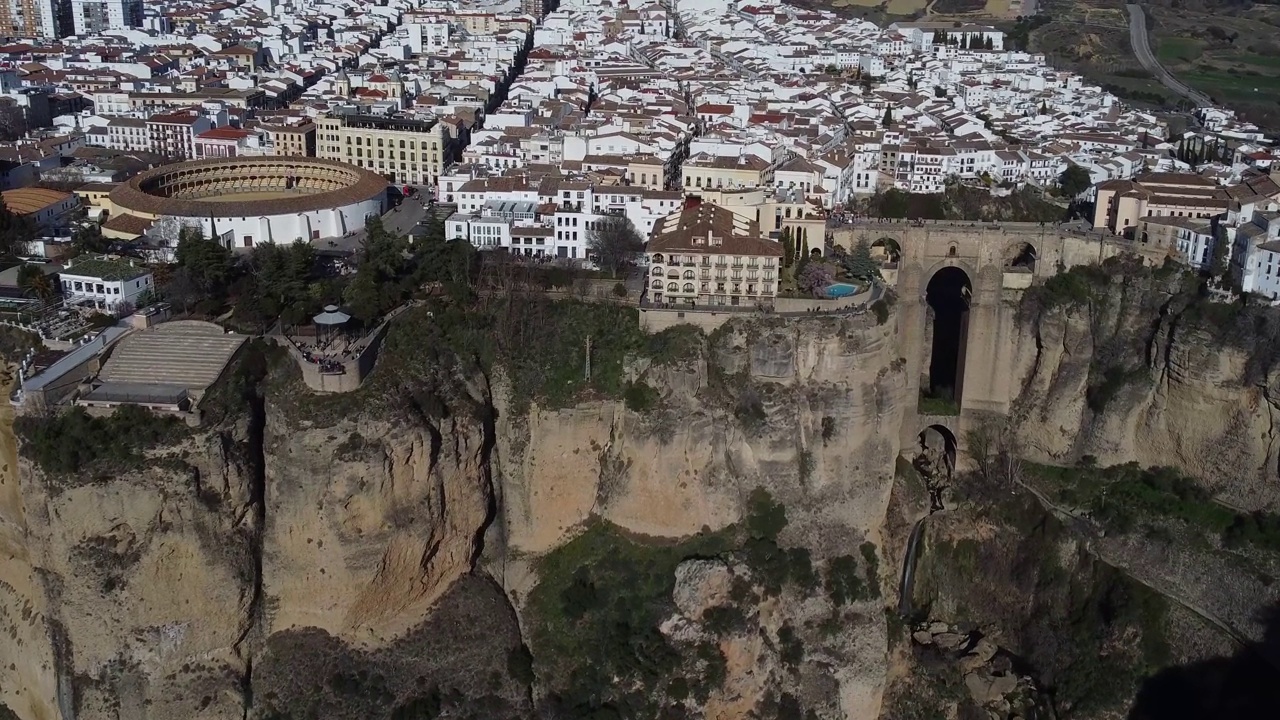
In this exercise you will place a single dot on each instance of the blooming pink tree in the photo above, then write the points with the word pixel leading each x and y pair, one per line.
pixel 816 275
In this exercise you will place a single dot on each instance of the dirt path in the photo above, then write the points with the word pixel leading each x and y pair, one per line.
pixel 29 688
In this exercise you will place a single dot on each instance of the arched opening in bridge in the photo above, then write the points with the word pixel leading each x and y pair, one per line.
pixel 1021 257
pixel 948 295
pixel 935 461
pixel 887 252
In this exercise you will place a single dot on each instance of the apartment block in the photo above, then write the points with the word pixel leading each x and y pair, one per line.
pixel 406 151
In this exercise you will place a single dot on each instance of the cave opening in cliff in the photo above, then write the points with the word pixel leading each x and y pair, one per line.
pixel 948 295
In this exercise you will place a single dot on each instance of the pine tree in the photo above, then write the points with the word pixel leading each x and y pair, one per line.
pixel 804 242
pixel 964 42
pixel 859 262
pixel 888 118
pixel 788 248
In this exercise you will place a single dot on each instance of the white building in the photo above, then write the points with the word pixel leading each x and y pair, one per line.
pixel 111 285
pixel 90 17
pixel 1256 255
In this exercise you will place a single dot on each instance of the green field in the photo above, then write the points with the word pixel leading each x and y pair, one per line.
pixel 1179 49
pixel 1225 85
pixel 1255 60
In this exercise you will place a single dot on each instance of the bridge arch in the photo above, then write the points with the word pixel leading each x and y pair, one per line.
pixel 887 251
pixel 937 441
pixel 948 294
pixel 1021 255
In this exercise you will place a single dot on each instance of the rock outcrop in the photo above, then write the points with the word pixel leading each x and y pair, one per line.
pixel 808 409
pixel 1142 371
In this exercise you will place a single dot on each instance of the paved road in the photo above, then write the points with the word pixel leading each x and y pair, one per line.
pixel 400 220
pixel 1142 48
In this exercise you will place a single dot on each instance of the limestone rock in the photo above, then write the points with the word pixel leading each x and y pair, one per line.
pixel 922 637
pixel 701 584
pixel 949 640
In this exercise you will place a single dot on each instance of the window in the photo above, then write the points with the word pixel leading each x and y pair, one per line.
pixel 673 287
pixel 688 287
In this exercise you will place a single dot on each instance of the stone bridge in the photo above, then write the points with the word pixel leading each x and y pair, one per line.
pixel 996 263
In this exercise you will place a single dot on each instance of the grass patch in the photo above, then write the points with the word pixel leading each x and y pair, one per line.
pixel 1178 48
pixel 1121 496
pixel 933 405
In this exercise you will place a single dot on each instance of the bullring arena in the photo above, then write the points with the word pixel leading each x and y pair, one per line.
pixel 253 200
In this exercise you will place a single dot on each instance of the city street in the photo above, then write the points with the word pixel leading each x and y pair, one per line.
pixel 401 220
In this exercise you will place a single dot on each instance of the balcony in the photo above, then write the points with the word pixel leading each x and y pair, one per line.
pixel 722 264
pixel 690 264
pixel 737 266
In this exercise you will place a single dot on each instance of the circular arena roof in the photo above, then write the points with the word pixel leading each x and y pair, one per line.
pixel 247 186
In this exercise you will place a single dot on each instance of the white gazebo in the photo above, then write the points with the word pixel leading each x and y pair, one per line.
pixel 329 324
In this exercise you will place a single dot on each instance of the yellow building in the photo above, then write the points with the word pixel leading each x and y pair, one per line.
pixel 294 140
pixel 405 151
pixel 1120 204
pixel 708 255
pixel 742 171
pixel 773 209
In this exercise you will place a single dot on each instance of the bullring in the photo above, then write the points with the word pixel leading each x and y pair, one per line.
pixel 253 200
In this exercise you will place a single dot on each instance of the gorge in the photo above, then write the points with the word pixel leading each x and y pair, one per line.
pixel 713 525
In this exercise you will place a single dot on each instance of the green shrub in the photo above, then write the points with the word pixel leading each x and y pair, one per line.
pixel 881 310
pixel 74 440
pixel 872 563
pixel 828 428
pixel 675 345
pixel 640 397
pixel 593 618
pixel 801 570
pixel 724 619
pixel 619 290
pixel 844 581
pixel 766 519
pixel 790 647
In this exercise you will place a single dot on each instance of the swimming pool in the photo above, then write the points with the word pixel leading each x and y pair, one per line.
pixel 839 290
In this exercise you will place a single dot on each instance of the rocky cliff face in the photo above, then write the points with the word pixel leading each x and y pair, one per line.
pixel 320 537
pixel 1125 365
pixel 808 409
pixel 374 553
pixel 148 575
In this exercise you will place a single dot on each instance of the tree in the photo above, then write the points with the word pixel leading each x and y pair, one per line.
pixel 88 238
pixel 34 282
pixel 815 276
pixel 788 248
pixel 964 42
pixel 989 44
pixel 887 120
pixel 16 231
pixel 614 242
pixel 1074 180
pixel 804 242
pixel 207 262
pixel 859 263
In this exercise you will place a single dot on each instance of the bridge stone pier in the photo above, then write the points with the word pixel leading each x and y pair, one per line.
pixel 999 262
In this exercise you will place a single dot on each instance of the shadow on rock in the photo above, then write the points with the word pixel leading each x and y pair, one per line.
pixel 1244 685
